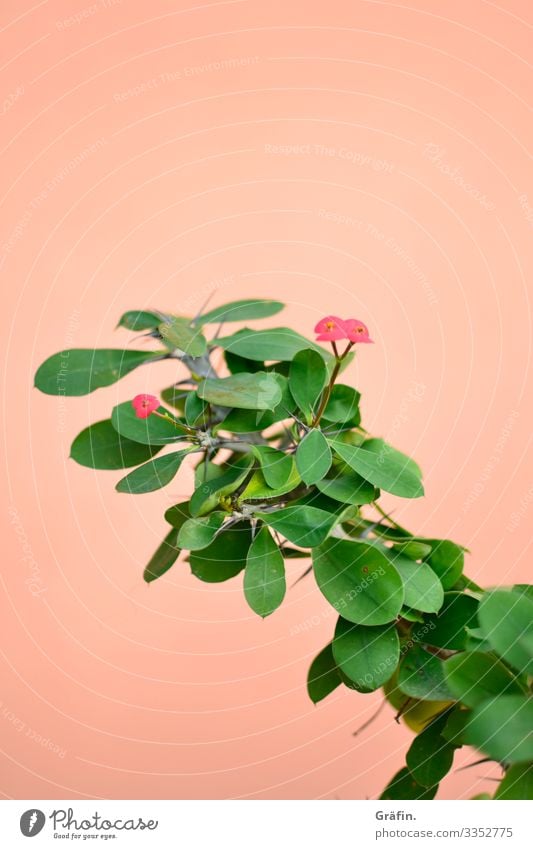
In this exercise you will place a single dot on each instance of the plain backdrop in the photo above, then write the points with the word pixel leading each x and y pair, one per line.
pixel 368 159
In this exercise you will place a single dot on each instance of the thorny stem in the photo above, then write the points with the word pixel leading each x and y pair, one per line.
pixel 188 430
pixel 334 374
pixel 390 519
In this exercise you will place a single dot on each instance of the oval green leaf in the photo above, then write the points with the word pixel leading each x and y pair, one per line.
pixel 304 526
pixel 152 475
pixel 506 619
pixel 403 786
pixel 99 446
pixel 279 343
pixel 307 378
pixel 517 784
pixel 423 590
pixel 244 310
pixel 366 656
pixel 208 494
pixel 383 466
pixel 264 576
pixel 348 488
pixel 421 676
pixel 502 728
pixel 139 320
pixel 178 334
pixel 447 560
pixel 323 676
pixel 198 533
pixel 80 371
pixel 430 756
pixel 475 676
pixel 163 558
pixel 313 457
pixel 359 581
pixel 343 406
pixel 448 628
pixel 258 391
pixel 225 557
pixel 276 466
pixel 150 431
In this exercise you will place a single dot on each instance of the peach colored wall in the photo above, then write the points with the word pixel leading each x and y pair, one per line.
pixel 137 172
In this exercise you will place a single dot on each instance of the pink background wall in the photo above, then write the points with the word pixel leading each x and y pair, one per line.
pixel 138 172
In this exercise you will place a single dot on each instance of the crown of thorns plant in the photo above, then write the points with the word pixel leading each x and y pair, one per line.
pixel 285 470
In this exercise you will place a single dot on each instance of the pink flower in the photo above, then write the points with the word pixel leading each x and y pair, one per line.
pixel 330 329
pixel 144 405
pixel 356 331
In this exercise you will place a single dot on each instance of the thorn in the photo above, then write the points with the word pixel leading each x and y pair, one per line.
pixel 371 720
pixel 202 308
pixel 303 575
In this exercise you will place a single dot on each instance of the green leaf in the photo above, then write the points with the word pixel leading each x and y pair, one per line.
pixel 208 471
pixel 162 559
pixel 307 378
pixel 383 466
pixel 139 320
pixel 323 676
pixel 430 756
pixel 524 589
pixel 208 495
pixel 343 406
pixel 198 533
pixel 257 487
pixel 454 729
pixel 421 676
pixel 403 786
pixel 502 728
pixel 196 410
pixel 175 396
pixel 99 446
pixel 241 311
pixel 225 557
pixel 447 628
pixel 446 560
pixel 348 488
pixel 178 334
pixel 423 590
pixel 304 526
pixel 506 619
pixel 150 431
pixel 249 421
pixel 313 457
pixel 367 656
pixel 238 365
pixel 279 343
pixel 517 783
pixel 475 676
pixel 178 514
pixel 359 581
pixel 259 391
pixel 80 371
pixel 152 475
pixel 276 466
pixel 413 550
pixel 264 577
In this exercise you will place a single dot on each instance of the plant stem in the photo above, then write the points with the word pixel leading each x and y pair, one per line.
pixel 188 430
pixel 327 392
pixel 390 519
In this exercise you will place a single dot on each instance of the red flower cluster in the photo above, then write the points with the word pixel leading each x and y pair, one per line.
pixel 332 329
pixel 144 405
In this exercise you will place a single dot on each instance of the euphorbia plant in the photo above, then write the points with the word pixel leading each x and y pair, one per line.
pixel 284 470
